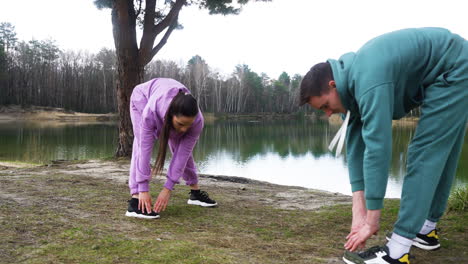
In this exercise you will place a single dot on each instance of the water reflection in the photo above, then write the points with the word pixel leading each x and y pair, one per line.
pixel 282 152
pixel 40 142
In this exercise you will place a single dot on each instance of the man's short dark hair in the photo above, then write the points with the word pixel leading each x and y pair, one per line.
pixel 315 82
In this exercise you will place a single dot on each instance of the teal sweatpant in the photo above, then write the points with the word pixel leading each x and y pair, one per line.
pixel 434 151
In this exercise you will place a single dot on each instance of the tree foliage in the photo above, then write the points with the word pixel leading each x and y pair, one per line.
pixel 8 37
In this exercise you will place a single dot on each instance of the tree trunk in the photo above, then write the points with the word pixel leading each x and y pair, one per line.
pixel 131 61
pixel 128 78
pixel 130 73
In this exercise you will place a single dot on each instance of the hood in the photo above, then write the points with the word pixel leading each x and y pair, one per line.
pixel 341 69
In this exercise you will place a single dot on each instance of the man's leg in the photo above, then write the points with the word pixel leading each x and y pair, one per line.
pixel 435 149
pixel 439 203
pixel 432 154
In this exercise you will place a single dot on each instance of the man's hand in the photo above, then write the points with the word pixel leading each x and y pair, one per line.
pixel 371 227
pixel 356 227
pixel 359 215
pixel 144 202
pixel 163 199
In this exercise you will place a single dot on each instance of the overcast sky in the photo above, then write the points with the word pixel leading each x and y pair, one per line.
pixel 283 35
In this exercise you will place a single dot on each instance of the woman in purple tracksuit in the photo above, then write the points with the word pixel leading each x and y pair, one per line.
pixel 163 109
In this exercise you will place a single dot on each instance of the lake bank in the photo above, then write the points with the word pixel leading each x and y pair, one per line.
pixel 73 212
pixel 39 114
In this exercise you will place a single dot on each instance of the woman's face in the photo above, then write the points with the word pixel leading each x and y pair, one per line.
pixel 182 123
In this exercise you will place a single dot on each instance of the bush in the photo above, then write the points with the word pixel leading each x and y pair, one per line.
pixel 458 200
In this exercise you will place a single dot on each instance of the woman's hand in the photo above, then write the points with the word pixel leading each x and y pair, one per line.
pixel 163 199
pixel 144 202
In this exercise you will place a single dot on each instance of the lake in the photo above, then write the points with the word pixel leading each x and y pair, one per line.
pixel 282 152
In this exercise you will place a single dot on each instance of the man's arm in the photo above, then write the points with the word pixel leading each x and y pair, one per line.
pixel 376 107
pixel 355 155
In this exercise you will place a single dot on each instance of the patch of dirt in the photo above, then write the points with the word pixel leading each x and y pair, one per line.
pixel 38 113
pixel 277 196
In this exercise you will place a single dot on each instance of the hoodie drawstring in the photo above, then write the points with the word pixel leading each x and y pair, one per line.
pixel 341 135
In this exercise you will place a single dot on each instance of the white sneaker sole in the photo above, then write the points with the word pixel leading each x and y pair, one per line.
pixel 375 261
pixel 419 244
pixel 133 214
pixel 196 202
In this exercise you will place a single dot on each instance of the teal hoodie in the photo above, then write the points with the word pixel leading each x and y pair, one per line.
pixel 383 81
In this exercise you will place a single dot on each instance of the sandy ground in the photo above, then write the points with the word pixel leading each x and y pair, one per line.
pixel 37 113
pixel 284 197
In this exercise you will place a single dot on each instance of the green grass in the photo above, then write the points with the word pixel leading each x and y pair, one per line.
pixel 56 218
pixel 458 200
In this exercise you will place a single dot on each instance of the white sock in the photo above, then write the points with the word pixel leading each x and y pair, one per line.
pixel 427 227
pixel 398 246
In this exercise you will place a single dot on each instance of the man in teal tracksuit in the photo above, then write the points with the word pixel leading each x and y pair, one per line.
pixel 382 81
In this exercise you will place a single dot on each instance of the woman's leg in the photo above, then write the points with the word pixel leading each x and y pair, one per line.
pixel 137 104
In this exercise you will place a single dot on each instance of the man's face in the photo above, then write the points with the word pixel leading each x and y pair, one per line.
pixel 329 102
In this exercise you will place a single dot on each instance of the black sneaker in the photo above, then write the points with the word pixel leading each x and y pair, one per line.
pixel 201 198
pixel 374 255
pixel 426 242
pixel 133 211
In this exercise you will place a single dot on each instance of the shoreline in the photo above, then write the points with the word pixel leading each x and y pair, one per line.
pixel 14 113
pixel 38 113
pixel 405 121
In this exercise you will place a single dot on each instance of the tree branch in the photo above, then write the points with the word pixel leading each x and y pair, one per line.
pixel 151 31
pixel 163 41
pixel 168 20
pixel 147 39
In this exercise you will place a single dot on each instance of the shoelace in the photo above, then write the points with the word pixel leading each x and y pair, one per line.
pixel 204 195
pixel 370 252
pixel 340 135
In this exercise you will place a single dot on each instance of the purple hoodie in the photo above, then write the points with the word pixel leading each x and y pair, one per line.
pixel 154 97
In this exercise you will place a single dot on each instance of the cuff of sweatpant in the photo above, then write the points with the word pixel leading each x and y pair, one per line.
pixel 143 186
pixel 357 186
pixel 191 182
pixel 169 184
pixel 374 204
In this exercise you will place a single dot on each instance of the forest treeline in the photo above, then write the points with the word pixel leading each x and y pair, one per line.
pixel 38 72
